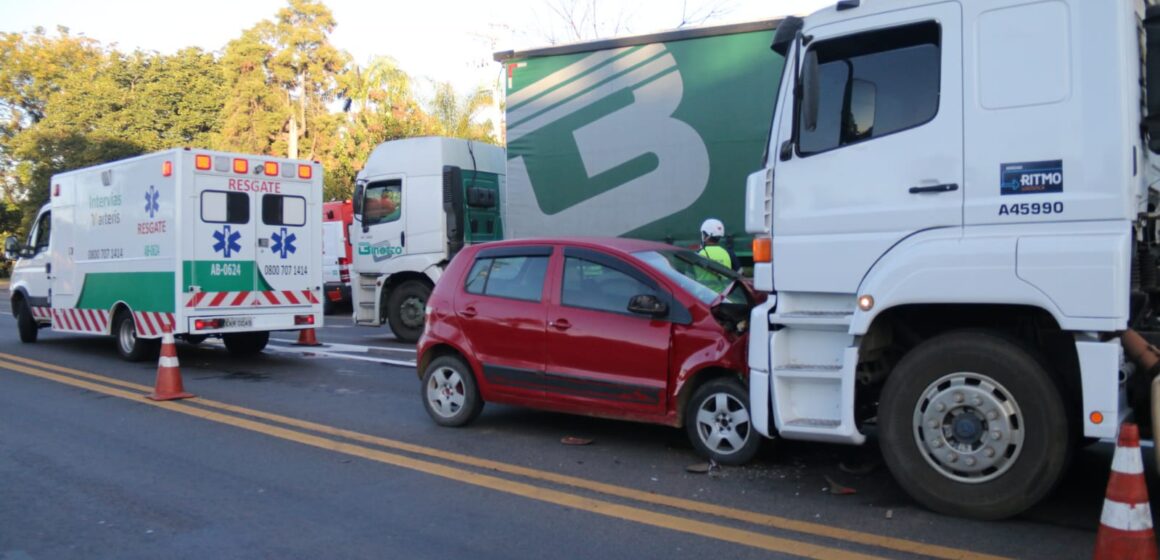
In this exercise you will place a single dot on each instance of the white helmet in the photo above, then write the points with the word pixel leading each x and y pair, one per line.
pixel 712 228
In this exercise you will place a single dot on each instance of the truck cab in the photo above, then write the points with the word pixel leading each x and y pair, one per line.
pixel 416 203
pixel 954 224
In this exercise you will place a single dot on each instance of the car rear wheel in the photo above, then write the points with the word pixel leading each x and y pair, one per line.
pixel 24 321
pixel 449 392
pixel 718 422
pixel 407 309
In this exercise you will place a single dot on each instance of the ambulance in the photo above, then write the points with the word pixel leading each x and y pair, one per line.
pixel 209 243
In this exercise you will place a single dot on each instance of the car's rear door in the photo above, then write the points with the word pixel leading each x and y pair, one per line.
pixel 502 312
pixel 600 356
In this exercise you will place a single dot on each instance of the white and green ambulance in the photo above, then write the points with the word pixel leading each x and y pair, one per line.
pixel 210 243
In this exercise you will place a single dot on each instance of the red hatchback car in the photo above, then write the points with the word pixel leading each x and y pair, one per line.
pixel 617 328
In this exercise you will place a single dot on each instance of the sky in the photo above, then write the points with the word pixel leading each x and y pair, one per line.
pixel 432 40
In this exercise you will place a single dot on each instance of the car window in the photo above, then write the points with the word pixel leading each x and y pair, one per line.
pixel 695 274
pixel 591 285
pixel 518 277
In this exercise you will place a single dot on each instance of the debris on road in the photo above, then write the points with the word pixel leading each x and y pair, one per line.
pixel 838 489
pixel 573 440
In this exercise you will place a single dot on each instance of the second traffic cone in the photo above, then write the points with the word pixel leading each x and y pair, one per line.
pixel 168 386
pixel 1126 522
pixel 306 338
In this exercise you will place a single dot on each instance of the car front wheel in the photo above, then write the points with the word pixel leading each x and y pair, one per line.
pixel 718 422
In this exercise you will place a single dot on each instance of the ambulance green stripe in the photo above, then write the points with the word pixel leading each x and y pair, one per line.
pixel 142 291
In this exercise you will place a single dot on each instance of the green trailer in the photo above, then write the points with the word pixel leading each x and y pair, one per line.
pixel 641 136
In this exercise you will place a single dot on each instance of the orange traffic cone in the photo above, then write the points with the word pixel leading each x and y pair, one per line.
pixel 1126 523
pixel 168 386
pixel 306 338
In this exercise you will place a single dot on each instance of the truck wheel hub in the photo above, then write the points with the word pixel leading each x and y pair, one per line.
pixel 969 427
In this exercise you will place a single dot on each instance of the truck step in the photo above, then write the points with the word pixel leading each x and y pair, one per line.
pixel 827 320
pixel 814 423
pixel 825 371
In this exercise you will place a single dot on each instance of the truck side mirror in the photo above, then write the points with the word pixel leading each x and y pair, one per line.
pixel 11 247
pixel 810 86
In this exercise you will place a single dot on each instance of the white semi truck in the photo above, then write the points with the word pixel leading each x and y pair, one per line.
pixel 209 243
pixel 416 202
pixel 957 226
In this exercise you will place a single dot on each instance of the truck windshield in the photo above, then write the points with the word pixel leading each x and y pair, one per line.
pixel 699 276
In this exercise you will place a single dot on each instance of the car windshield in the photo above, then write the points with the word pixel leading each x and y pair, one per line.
pixel 699 276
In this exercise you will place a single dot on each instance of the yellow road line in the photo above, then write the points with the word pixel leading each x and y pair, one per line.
pixel 755 518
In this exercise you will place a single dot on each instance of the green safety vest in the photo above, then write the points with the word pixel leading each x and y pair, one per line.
pixel 717 254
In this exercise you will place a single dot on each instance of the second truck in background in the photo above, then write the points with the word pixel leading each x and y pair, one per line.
pixel 640 137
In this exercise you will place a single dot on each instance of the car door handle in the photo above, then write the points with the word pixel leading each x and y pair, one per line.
pixel 560 324
pixel 468 312
pixel 944 187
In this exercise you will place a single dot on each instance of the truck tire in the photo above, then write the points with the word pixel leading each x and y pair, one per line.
pixel 24 321
pixel 972 425
pixel 247 343
pixel 129 346
pixel 719 424
pixel 449 392
pixel 406 310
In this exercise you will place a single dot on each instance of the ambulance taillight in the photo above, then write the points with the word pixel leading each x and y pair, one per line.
pixel 166 168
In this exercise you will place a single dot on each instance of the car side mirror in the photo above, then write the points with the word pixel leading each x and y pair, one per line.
pixel 11 247
pixel 648 304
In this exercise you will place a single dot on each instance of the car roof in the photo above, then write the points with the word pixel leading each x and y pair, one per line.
pixel 616 244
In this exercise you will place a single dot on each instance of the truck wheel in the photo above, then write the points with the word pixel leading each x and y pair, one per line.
pixel 247 343
pixel 449 392
pixel 24 321
pixel 972 425
pixel 407 309
pixel 718 422
pixel 130 347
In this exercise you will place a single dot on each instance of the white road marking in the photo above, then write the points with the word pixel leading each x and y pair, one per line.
pixel 337 346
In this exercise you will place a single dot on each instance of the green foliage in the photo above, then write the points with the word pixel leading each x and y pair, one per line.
pixel 277 89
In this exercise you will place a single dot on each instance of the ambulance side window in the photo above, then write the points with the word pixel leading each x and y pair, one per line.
pixel 221 207
pixel 39 238
pixel 282 210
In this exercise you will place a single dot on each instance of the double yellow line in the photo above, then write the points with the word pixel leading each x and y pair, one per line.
pixel 324 437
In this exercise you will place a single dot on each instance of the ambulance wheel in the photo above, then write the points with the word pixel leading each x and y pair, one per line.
pixel 247 343
pixel 24 321
pixel 130 347
pixel 407 310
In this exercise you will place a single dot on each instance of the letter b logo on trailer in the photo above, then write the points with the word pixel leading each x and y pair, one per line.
pixel 607 120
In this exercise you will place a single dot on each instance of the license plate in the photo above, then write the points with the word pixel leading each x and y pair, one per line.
pixel 234 322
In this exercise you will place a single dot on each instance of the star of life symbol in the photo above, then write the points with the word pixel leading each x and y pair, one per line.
pixel 151 205
pixel 227 241
pixel 283 243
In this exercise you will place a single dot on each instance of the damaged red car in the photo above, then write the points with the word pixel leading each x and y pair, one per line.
pixel 616 328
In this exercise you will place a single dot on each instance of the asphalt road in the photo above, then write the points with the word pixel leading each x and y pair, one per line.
pixel 326 452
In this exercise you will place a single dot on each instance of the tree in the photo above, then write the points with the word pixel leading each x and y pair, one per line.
pixel 457 116
pixel 117 107
pixel 284 76
pixel 378 105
